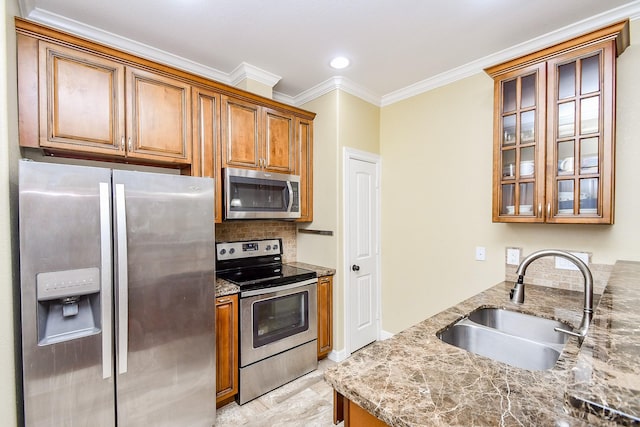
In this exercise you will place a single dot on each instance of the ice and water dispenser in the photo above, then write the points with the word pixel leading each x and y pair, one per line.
pixel 68 304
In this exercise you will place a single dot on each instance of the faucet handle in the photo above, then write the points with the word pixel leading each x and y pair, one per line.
pixel 572 333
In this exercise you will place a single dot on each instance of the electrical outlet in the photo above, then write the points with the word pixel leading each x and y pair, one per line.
pixel 563 264
pixel 481 254
pixel 513 256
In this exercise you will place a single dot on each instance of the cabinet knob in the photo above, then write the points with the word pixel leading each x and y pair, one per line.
pixel 355 267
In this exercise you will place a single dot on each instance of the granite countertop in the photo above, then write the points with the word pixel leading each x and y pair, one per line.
pixel 224 287
pixel 414 379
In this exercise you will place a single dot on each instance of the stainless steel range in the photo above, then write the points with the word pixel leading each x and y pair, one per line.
pixel 278 314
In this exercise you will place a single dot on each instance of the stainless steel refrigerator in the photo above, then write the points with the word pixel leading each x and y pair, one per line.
pixel 117 297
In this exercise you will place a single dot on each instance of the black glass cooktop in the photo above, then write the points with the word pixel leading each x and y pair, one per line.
pixel 266 276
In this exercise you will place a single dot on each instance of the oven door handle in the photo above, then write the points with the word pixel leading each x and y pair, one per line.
pixel 274 289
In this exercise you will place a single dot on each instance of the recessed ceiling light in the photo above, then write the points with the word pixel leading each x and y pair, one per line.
pixel 339 62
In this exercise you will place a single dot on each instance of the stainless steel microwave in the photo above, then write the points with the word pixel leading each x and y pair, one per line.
pixel 251 194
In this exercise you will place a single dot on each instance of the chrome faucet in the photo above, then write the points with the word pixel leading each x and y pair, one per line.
pixel 517 293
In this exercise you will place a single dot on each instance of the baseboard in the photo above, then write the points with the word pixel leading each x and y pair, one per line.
pixel 384 335
pixel 338 356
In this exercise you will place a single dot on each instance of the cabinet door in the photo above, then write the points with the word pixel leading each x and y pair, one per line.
pixel 325 316
pixel 158 118
pixel 304 167
pixel 580 144
pixel 279 149
pixel 240 133
pixel 519 144
pixel 206 147
pixel 226 348
pixel 81 101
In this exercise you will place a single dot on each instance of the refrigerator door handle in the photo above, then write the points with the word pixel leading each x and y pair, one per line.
pixel 123 279
pixel 105 281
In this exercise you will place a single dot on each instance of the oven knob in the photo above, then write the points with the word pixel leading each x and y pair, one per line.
pixel 231 251
pixel 275 247
pixel 223 251
pixel 268 247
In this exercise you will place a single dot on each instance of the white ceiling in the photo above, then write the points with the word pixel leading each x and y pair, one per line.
pixel 397 47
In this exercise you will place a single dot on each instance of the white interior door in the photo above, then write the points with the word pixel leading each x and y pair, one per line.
pixel 362 249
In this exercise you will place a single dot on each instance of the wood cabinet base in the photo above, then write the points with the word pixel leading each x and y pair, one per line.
pixel 352 414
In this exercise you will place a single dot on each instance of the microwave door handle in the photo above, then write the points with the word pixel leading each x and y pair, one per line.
pixel 290 189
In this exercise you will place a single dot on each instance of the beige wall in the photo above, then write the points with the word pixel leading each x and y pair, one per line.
pixel 8 221
pixel 436 190
pixel 342 120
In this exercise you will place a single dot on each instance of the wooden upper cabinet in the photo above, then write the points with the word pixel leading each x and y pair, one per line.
pixel 240 133
pixel 554 131
pixel 81 101
pixel 279 144
pixel 304 167
pixel 206 135
pixel 257 137
pixel 158 117
pixel 83 107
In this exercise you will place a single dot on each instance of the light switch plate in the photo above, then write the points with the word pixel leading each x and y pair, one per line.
pixel 481 254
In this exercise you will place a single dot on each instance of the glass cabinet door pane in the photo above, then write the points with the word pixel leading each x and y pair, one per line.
pixel 590 74
pixel 589 155
pixel 566 119
pixel 509 163
pixel 565 158
pixel 508 199
pixel 509 96
pixel 589 196
pixel 528 91
pixel 527 126
pixel 527 164
pixel 589 114
pixel 567 80
pixel 509 129
pixel 526 199
pixel 565 197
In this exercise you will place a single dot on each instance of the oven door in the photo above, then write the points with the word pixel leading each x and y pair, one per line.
pixel 273 320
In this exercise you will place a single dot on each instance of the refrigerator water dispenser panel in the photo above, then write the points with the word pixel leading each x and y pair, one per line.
pixel 68 304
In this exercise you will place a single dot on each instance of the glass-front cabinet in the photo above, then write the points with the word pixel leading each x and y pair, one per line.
pixel 554 129
pixel 520 159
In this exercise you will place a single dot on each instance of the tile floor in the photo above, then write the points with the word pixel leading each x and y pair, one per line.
pixel 306 401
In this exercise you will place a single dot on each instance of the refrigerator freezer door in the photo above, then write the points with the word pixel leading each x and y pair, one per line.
pixel 68 380
pixel 169 378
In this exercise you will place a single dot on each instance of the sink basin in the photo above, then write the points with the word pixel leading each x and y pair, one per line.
pixel 520 324
pixel 517 339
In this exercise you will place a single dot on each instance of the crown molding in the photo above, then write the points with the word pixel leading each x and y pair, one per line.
pixel 248 71
pixel 333 83
pixel 630 11
pixel 122 43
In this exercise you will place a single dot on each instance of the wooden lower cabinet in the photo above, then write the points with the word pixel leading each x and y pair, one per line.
pixel 226 349
pixel 352 414
pixel 325 316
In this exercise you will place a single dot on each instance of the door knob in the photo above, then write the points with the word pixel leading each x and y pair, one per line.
pixel 355 267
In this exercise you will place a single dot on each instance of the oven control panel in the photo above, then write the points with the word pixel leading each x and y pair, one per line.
pixel 248 249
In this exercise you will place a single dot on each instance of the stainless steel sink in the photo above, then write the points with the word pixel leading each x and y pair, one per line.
pixel 520 324
pixel 517 339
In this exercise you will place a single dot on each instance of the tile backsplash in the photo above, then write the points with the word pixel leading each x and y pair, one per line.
pixel 543 272
pixel 251 230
